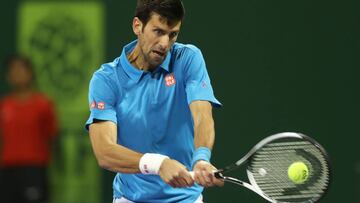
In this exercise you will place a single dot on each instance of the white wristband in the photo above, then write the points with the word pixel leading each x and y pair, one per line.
pixel 150 163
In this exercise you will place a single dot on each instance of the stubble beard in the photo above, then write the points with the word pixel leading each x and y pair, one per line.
pixel 148 59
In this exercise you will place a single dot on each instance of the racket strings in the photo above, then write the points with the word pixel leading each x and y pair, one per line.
pixel 269 168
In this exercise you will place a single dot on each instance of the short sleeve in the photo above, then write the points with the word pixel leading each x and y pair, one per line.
pixel 197 81
pixel 102 99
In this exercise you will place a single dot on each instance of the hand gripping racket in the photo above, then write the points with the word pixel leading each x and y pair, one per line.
pixel 268 163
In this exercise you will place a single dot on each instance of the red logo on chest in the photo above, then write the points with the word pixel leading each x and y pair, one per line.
pixel 169 80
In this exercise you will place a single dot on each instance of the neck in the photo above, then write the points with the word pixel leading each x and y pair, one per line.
pixel 22 93
pixel 137 59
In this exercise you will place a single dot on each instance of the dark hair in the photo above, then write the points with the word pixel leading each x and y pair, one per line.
pixel 23 59
pixel 172 10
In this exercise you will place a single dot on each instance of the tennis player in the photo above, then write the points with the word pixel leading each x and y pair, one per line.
pixel 151 112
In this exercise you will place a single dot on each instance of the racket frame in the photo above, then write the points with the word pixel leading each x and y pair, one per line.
pixel 252 185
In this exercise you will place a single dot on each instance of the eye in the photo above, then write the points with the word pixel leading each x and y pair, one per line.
pixel 173 34
pixel 159 32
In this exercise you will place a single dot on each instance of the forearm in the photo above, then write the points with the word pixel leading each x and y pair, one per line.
pixel 204 132
pixel 109 154
pixel 204 140
pixel 117 158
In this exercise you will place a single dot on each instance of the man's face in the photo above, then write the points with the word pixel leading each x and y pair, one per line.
pixel 156 38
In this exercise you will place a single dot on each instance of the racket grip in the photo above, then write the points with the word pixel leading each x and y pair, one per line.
pixel 192 174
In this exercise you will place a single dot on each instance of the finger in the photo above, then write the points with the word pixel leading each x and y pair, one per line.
pixel 184 177
pixel 189 180
pixel 208 178
pixel 182 182
pixel 199 178
pixel 219 182
pixel 178 182
pixel 174 181
pixel 171 184
pixel 212 178
pixel 196 176
pixel 211 175
pixel 202 179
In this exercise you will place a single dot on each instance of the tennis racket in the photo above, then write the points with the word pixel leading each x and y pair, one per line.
pixel 267 169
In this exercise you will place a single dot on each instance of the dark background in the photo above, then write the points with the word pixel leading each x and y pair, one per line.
pixel 275 65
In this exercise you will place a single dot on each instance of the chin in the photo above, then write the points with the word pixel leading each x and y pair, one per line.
pixel 154 65
pixel 156 62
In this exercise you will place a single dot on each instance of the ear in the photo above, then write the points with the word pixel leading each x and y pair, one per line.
pixel 137 26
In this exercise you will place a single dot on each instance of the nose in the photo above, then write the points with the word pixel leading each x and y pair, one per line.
pixel 164 42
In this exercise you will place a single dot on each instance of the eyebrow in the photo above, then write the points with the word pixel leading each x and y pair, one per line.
pixel 157 27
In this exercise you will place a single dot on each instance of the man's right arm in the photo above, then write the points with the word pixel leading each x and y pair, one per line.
pixel 117 158
pixel 109 154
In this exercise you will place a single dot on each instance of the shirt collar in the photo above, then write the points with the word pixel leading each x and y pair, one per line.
pixel 166 63
pixel 132 71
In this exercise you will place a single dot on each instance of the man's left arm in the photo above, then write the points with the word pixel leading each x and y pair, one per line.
pixel 204 137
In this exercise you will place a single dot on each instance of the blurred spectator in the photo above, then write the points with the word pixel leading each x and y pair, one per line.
pixel 27 128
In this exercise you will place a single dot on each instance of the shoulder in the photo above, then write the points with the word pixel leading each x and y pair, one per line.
pixel 5 99
pixel 107 73
pixel 185 51
pixel 106 77
pixel 2 102
pixel 41 96
pixel 107 70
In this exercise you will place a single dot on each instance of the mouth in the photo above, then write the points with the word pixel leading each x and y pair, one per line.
pixel 159 53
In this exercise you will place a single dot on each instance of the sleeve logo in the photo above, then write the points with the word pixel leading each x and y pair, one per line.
pixel 101 105
pixel 92 105
pixel 169 80
pixel 203 84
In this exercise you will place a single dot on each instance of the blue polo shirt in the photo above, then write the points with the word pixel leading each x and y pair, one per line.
pixel 151 110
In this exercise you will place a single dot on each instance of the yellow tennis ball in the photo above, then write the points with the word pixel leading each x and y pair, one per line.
pixel 298 172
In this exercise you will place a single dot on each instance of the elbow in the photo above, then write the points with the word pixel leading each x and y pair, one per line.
pixel 103 160
pixel 103 163
pixel 106 166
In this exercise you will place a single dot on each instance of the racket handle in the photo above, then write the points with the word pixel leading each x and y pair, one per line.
pixel 192 174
